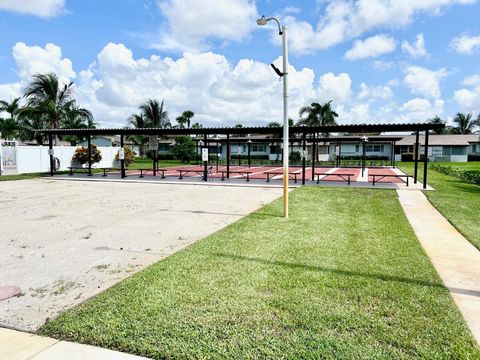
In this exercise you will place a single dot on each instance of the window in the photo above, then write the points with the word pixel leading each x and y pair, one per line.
pixel 375 148
pixel 259 148
pixel 459 150
pixel 163 147
pixel 357 148
pixel 404 149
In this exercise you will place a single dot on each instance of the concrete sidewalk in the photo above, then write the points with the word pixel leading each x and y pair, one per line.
pixel 16 345
pixel 456 260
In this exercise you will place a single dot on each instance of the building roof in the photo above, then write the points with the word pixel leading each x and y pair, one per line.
pixel 437 140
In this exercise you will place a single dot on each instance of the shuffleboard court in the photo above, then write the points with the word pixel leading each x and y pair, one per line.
pixel 383 171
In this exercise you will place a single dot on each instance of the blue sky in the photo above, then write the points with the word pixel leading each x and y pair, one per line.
pixel 378 60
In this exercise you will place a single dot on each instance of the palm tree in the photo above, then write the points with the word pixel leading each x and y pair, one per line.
pixel 77 118
pixel 197 126
pixel 181 121
pixel 465 124
pixel 188 115
pixel 11 107
pixel 47 98
pixel 28 124
pixel 317 115
pixel 437 121
pixel 138 122
pixel 9 126
pixel 155 116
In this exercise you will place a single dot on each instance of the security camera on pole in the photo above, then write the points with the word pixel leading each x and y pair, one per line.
pixel 282 31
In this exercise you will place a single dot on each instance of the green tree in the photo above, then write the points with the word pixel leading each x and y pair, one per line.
pixel 437 120
pixel 28 124
pixel 138 122
pixel 184 149
pixel 77 118
pixel 464 124
pixel 197 126
pixel 274 124
pixel 9 126
pixel 51 102
pixel 11 107
pixel 181 121
pixel 188 116
pixel 317 115
pixel 185 119
pixel 154 115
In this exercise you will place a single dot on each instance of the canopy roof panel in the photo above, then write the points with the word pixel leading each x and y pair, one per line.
pixel 358 128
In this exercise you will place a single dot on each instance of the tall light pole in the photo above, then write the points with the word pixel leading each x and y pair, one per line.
pixel 282 31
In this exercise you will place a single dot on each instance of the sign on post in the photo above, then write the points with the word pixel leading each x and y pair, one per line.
pixel 303 154
pixel 50 152
pixel 204 154
pixel 121 154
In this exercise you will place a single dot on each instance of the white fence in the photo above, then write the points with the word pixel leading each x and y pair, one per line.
pixel 30 159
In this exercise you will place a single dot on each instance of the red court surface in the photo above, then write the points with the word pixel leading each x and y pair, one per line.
pixel 259 173
pixel 354 171
pixel 383 171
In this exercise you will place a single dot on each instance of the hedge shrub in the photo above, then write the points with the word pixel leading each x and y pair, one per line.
pixel 469 176
pixel 129 155
pixel 81 154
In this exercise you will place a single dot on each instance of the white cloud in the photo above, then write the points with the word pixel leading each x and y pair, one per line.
pixel 424 82
pixel 417 49
pixel 381 92
pixel 356 114
pixel 347 19
pixel 335 88
pixel 206 83
pixel 218 91
pixel 191 23
pixel 472 80
pixel 372 47
pixel 31 60
pixel 383 65
pixel 466 44
pixel 468 98
pixel 419 110
pixel 41 8
pixel 10 91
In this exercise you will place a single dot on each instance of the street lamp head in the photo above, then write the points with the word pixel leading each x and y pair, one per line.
pixel 200 143
pixel 262 21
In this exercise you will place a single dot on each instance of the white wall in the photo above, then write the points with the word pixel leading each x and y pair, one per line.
pixel 458 158
pixel 36 159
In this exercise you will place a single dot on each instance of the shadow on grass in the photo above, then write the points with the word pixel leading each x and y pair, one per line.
pixel 464 187
pixel 381 277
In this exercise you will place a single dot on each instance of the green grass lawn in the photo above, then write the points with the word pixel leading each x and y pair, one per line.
pixel 27 176
pixel 471 166
pixel 458 201
pixel 344 277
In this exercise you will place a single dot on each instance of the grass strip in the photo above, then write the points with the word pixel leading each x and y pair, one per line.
pixel 344 277
pixel 457 200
